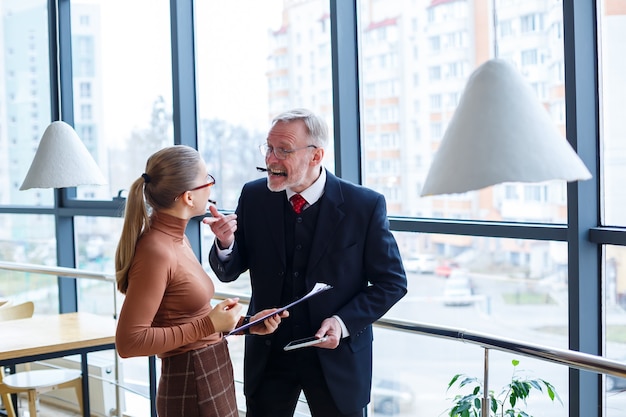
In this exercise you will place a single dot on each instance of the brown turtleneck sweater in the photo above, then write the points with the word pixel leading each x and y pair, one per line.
pixel 168 297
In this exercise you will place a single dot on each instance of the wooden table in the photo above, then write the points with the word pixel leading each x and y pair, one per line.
pixel 54 336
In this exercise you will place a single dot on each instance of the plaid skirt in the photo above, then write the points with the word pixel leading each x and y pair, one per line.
pixel 199 383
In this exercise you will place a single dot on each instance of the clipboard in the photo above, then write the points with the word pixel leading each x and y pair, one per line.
pixel 317 288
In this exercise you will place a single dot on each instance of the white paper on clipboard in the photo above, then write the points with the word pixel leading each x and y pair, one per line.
pixel 317 288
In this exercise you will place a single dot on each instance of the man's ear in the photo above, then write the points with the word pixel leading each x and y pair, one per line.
pixel 318 155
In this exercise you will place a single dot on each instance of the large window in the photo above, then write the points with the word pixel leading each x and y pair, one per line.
pixel 611 24
pixel 24 97
pixel 537 262
pixel 384 29
pixel 31 245
pixel 613 89
pixel 127 72
pixel 511 288
pixel 277 57
pixel 234 84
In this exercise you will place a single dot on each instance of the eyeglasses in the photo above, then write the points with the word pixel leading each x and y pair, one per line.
pixel 280 153
pixel 210 182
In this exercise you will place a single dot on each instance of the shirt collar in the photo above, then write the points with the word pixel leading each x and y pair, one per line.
pixel 314 192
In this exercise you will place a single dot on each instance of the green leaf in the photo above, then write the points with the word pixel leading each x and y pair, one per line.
pixel 536 384
pixel 494 405
pixel 552 392
pixel 521 389
pixel 453 380
pixel 513 394
pixel 469 380
pixel 477 403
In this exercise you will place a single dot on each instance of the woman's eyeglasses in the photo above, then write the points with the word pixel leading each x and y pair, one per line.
pixel 210 183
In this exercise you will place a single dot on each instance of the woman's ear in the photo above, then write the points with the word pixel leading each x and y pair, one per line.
pixel 186 198
pixel 189 198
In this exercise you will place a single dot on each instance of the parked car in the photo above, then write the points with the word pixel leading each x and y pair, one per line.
pixel 458 290
pixel 390 397
pixel 422 264
pixel 445 269
pixel 615 383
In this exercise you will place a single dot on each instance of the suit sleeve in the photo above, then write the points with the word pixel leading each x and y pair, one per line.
pixel 230 269
pixel 382 270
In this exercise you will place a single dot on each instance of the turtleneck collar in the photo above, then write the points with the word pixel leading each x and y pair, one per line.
pixel 169 224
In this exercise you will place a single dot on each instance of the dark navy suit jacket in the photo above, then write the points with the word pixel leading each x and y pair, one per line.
pixel 352 250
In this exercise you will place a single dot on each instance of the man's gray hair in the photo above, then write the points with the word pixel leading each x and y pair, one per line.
pixel 318 130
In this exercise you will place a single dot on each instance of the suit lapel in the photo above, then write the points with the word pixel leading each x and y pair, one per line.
pixel 274 215
pixel 330 216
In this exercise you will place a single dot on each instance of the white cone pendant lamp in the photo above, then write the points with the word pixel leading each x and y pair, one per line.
pixel 62 160
pixel 499 133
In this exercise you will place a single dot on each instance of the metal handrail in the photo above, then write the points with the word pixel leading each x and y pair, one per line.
pixel 57 270
pixel 570 358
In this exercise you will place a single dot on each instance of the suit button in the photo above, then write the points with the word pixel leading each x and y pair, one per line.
pixel 298 247
pixel 296 274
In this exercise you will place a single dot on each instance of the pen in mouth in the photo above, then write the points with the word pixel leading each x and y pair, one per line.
pixel 261 169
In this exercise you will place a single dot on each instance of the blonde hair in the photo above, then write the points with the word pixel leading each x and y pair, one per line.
pixel 169 173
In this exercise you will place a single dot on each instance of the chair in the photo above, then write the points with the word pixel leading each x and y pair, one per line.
pixel 17 311
pixel 37 382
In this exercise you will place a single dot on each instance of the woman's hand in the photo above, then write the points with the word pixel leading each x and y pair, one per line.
pixel 225 315
pixel 270 324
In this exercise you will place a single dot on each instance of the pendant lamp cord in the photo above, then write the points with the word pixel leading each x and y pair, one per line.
pixel 54 4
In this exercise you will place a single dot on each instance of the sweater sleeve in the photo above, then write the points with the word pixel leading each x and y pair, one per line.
pixel 147 283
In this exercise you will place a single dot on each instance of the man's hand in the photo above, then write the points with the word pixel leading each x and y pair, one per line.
pixel 332 330
pixel 223 227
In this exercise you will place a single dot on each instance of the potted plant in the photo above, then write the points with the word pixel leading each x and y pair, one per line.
pixel 508 403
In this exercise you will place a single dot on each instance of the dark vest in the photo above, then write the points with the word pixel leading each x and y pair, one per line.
pixel 299 232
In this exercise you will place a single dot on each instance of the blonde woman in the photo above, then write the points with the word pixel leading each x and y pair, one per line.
pixel 167 310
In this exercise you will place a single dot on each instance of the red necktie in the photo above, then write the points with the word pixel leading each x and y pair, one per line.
pixel 297 201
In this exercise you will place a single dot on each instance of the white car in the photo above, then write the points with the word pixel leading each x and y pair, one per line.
pixel 391 397
pixel 422 264
pixel 458 290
